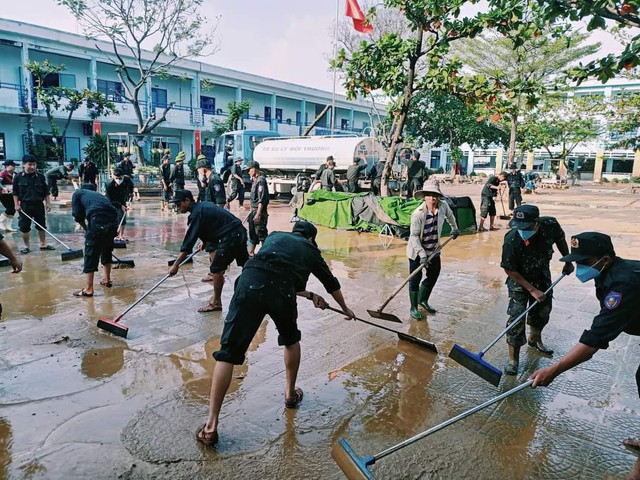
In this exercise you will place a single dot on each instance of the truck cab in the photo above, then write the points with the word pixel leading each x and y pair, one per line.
pixel 238 143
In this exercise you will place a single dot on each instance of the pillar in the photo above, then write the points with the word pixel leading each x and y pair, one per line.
pixel 26 76
pixel 499 155
pixel 351 120
pixel 303 116
pixel 93 74
pixel 274 120
pixel 597 169
pixel 470 159
pixel 529 161
pixel 635 172
pixel 238 94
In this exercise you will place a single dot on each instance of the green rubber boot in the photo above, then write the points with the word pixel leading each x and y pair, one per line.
pixel 423 300
pixel 514 360
pixel 415 313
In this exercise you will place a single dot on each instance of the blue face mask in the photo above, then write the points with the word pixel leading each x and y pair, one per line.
pixel 584 273
pixel 526 234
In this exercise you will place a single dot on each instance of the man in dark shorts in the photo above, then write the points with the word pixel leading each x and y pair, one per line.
pixel 219 229
pixel 99 220
pixel 31 195
pixel 259 202
pixel 119 191
pixel 487 202
pixel 268 285
pixel 236 184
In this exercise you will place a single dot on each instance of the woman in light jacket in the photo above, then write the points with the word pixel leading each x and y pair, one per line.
pixel 424 237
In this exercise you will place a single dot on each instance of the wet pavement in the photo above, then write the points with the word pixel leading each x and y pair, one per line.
pixel 78 403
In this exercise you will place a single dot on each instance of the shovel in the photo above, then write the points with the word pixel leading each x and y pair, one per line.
pixel 504 215
pixel 475 362
pixel 389 316
pixel 70 254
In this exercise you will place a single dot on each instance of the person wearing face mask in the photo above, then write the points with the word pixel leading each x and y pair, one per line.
pixel 427 222
pixel 526 255
pixel 120 191
pixel 6 195
pixel 201 179
pixel 617 283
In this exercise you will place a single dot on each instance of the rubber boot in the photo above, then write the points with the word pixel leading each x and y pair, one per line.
pixel 415 313
pixel 423 300
pixel 535 341
pixel 7 223
pixel 514 361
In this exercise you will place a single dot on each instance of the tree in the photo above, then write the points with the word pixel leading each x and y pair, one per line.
pixel 235 114
pixel 64 99
pixel 171 29
pixel 97 148
pixel 522 68
pixel 623 115
pixel 563 122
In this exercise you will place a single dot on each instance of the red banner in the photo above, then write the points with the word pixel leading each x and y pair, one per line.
pixel 197 142
pixel 97 128
pixel 360 23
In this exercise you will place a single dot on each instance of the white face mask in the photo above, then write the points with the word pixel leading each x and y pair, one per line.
pixel 118 181
pixel 203 177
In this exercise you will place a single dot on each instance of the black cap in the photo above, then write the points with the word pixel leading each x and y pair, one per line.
pixel 29 159
pixel 513 166
pixel 525 217
pixel 181 195
pixel 118 172
pixel 203 164
pixel 589 244
pixel 9 163
pixel 252 164
pixel 238 159
pixel 306 229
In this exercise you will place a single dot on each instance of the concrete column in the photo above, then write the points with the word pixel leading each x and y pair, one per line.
pixel 351 119
pixel 303 114
pixel 238 94
pixel 26 76
pixel 470 159
pixel 597 169
pixel 274 120
pixel 529 161
pixel 499 155
pixel 635 171
pixel 93 76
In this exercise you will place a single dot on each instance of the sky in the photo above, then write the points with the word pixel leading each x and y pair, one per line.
pixel 285 40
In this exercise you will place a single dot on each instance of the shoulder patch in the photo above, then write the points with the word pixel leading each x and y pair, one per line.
pixel 612 300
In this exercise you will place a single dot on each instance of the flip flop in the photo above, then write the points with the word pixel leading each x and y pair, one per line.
pixel 209 307
pixel 295 401
pixel 494 228
pixel 208 438
pixel 82 293
pixel 106 284
pixel 208 278
pixel 25 250
pixel 482 229
pixel 48 247
pixel 632 445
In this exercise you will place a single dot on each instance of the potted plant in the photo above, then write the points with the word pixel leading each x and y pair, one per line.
pixel 149 185
pixel 288 121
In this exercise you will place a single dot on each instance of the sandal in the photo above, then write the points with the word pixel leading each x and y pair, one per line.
pixel 632 444
pixel 295 401
pixel 208 438
pixel 25 250
pixel 208 278
pixel 106 284
pixel 82 293
pixel 494 228
pixel 210 307
pixel 482 229
pixel 48 247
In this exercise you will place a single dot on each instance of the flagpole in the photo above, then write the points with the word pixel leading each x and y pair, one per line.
pixel 335 54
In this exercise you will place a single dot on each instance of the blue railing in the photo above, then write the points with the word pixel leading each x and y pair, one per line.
pixel 22 92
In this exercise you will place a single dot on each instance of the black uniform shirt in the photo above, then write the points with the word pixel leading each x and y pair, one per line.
pixel 618 290
pixel 353 172
pixel 94 207
pixel 58 172
pixel 209 223
pixel 88 173
pixel 119 195
pixel 320 170
pixel 379 168
pixel 177 176
pixel 165 171
pixel 236 170
pixel 292 256
pixel 259 193
pixel 127 167
pixel 215 190
pixel 415 169
pixel 30 187
pixel 487 191
pixel 531 258
pixel 515 180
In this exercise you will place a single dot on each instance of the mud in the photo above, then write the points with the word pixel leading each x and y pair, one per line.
pixel 78 403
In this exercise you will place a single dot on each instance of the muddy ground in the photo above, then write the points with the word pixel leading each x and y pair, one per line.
pixel 78 403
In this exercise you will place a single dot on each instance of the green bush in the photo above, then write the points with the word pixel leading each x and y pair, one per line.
pixel 473 174
pixel 624 180
pixel 440 170
pixel 605 180
pixel 635 179
pixel 615 180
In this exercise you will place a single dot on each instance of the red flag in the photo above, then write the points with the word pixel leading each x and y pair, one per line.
pixel 360 23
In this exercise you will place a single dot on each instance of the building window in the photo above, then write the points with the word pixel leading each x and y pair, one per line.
pixel 365 125
pixel 267 114
pixel 279 115
pixel 298 118
pixel 344 124
pixel 208 105
pixel 158 97
pixel 58 80
pixel 113 91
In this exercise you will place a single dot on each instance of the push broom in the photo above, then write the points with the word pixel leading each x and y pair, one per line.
pixel 357 468
pixel 120 263
pixel 389 316
pixel 475 362
pixel 120 243
pixel 504 215
pixel 113 326
pixel 70 254
pixel 402 336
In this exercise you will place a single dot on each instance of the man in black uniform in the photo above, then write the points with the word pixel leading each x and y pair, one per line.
pixel 322 167
pixel 268 285
pixel 236 184
pixel 201 179
pixel 214 191
pixel 127 165
pixel 177 177
pixel 88 172
pixel 415 173
pixel 218 228
pixel 57 173
pixel 99 219
pixel 328 177
pixel 487 202
pixel 259 201
pixel 526 255
pixel 119 191
pixel 165 177
pixel 515 181
pixel 376 174
pixel 353 173
pixel 617 284
pixel 31 194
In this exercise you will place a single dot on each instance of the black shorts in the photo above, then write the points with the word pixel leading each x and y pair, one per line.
pixel 258 293
pixel 229 248
pixel 487 207
pixel 36 211
pixel 98 245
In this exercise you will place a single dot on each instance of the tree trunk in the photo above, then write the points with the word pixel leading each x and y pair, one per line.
pixel 512 141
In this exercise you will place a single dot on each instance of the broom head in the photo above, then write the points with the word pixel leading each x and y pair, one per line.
pixel 389 317
pixel 71 255
pixel 4 262
pixel 476 364
pixel 119 244
pixel 113 327
pixel 353 467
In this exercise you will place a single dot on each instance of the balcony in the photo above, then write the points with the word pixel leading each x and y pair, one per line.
pixel 12 97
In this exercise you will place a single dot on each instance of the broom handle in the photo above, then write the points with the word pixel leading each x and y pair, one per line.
pixel 520 317
pixel 122 219
pixel 415 272
pixel 55 238
pixel 144 295
pixel 337 310
pixel 453 420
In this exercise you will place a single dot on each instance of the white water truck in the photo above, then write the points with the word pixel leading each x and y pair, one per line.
pixel 289 162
